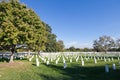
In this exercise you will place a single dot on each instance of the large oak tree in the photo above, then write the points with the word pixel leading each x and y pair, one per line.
pixel 104 43
pixel 20 25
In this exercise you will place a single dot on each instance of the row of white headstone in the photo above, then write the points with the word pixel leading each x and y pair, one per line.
pixel 65 64
pixel 106 66
pixel 82 60
pixel 37 60
pixel 58 58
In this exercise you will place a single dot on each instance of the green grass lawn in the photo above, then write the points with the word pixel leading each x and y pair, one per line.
pixel 25 70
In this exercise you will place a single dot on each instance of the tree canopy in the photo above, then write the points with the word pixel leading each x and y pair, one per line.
pixel 20 25
pixel 104 43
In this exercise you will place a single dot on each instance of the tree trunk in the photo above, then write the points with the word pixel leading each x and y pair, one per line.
pixel 11 57
pixel 12 53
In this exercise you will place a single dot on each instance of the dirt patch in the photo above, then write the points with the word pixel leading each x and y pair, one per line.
pixel 12 64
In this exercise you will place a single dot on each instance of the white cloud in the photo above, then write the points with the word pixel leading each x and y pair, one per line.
pixel 78 45
pixel 74 43
pixel 85 45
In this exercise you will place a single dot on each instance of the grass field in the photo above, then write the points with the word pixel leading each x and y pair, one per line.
pixel 25 70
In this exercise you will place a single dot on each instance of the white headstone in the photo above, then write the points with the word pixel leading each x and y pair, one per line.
pixel 112 59
pixel 86 59
pixel 109 59
pixel 65 65
pixel 104 59
pixel 37 62
pixel 77 59
pixel 67 57
pixel 15 57
pixel 21 58
pixel 82 63
pixel 94 56
pixel 98 58
pixel 114 67
pixel 44 60
pixel 51 59
pixel 95 61
pixel 63 61
pixel 30 59
pixel 56 61
pixel 63 58
pixel 48 62
pixel 70 60
pixel 91 57
pixel 106 68
pixel 118 58
pixel 81 59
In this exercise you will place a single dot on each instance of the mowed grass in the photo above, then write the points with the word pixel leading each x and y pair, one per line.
pixel 25 70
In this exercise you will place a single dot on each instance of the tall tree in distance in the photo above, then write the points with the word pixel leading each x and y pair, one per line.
pixel 51 40
pixel 104 43
pixel 60 45
pixel 52 45
pixel 72 48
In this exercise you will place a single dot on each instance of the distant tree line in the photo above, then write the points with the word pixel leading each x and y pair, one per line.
pixel 103 44
pixel 73 49
pixel 106 43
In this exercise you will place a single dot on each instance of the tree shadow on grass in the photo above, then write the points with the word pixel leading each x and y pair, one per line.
pixel 4 60
pixel 34 64
pixel 46 77
pixel 82 73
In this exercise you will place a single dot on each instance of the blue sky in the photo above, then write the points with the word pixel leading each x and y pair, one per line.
pixel 79 22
